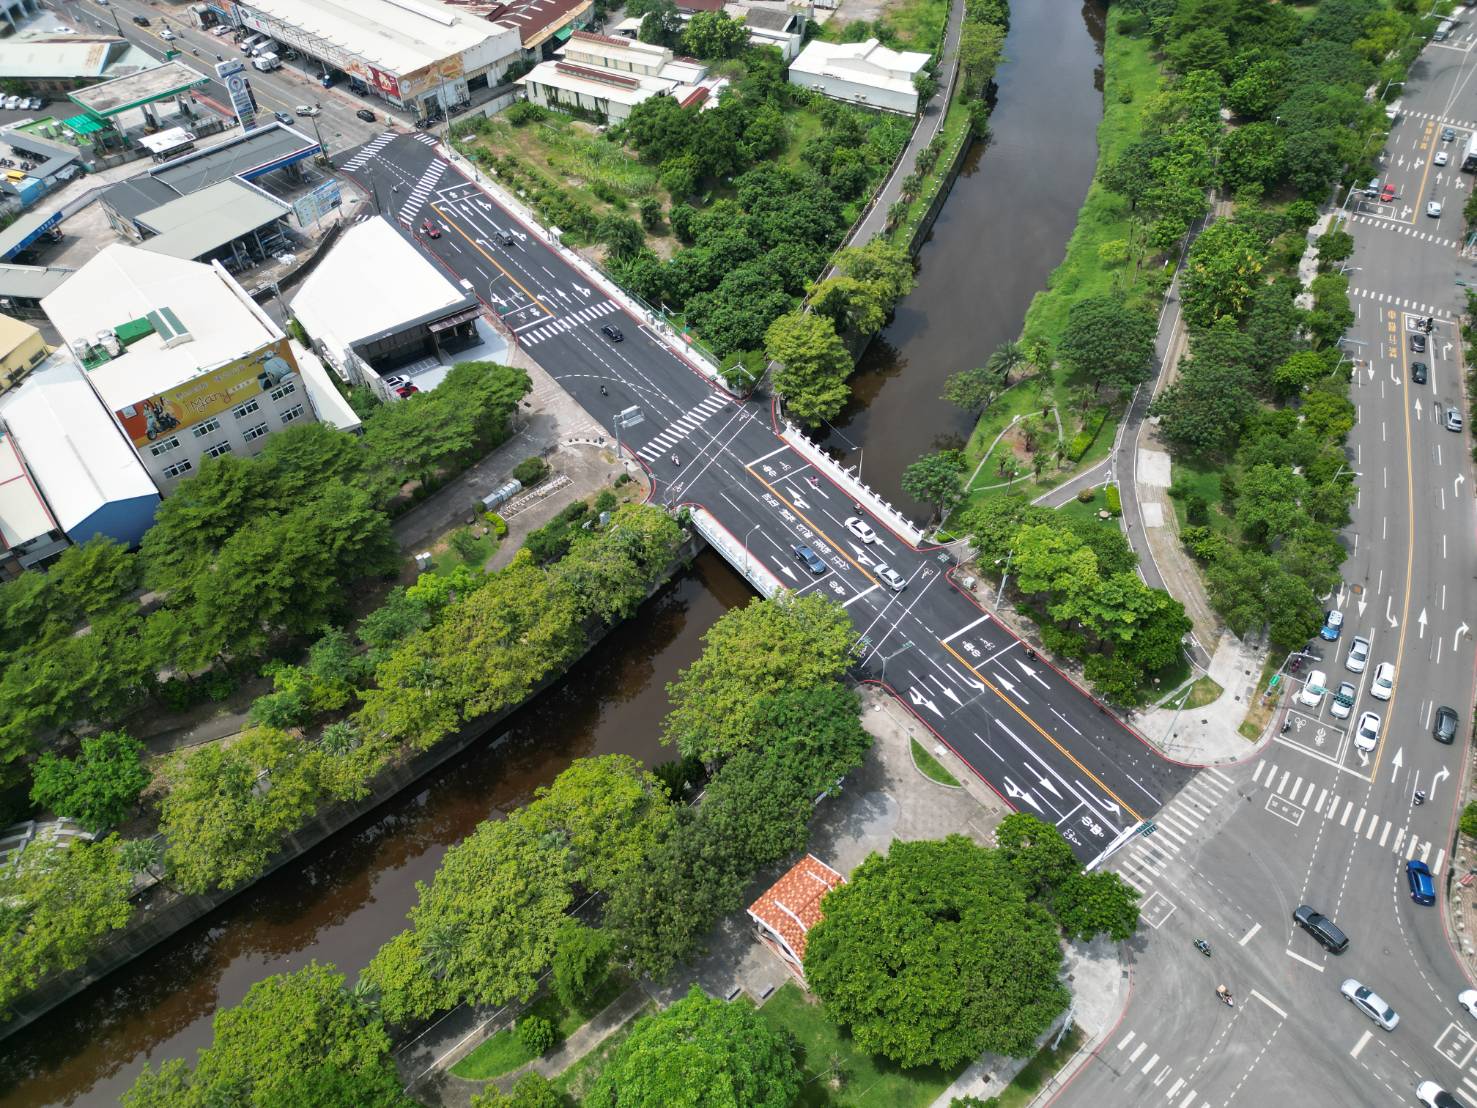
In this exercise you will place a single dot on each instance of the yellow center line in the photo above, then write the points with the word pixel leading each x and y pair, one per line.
pixel 1040 730
pixel 1415 214
pixel 477 247
pixel 1400 336
pixel 830 541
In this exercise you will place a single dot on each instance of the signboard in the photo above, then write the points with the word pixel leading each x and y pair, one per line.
pixel 232 74
pixel 313 206
pixel 210 394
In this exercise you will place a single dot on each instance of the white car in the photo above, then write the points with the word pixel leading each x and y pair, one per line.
pixel 307 109
pixel 167 35
pixel 1370 1003
pixel 1468 1000
pixel 221 30
pixel 1358 655
pixel 1383 684
pixel 1441 158
pixel 861 529
pixel 895 580
pixel 1433 1095
pixel 1433 209
pixel 12 103
pixel 1367 735
pixel 1313 689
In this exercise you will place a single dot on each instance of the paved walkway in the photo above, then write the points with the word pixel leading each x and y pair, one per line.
pixel 1210 735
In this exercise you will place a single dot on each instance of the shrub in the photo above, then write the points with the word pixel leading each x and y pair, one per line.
pixel 1112 253
pixel 1469 819
pixel 1114 501
pixel 523 112
pixel 536 1034
pixel 1085 494
pixel 651 212
pixel 1082 441
pixel 465 543
pixel 531 471
pixel 605 502
pixel 498 524
pixel 1197 511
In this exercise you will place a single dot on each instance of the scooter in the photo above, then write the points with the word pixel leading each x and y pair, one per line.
pixel 1202 946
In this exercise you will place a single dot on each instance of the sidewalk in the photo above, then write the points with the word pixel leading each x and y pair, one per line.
pixel 1209 735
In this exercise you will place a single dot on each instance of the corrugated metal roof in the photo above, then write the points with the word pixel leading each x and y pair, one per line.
pixel 192 226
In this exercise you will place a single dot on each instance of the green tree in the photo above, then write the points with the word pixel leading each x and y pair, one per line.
pixel 536 1034
pixel 814 365
pixel 1251 155
pixel 933 955
pixel 581 963
pixel 1007 358
pixel 972 389
pixel 1089 904
pixel 1108 342
pixel 1036 854
pixel 701 1053
pixel 622 234
pixel 1469 818
pixel 1300 370
pixel 98 787
pixel 1204 410
pixel 937 479
pixel 532 1090
pixel 714 36
pixel 1223 268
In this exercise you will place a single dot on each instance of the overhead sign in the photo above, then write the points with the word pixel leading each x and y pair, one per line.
pixel 210 394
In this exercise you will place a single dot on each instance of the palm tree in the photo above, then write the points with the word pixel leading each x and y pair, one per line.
pixel 440 946
pixel 1008 356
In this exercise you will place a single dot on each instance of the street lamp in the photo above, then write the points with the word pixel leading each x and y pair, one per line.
pixel 746 545
pixel 888 657
pixel 1000 592
pixel 628 417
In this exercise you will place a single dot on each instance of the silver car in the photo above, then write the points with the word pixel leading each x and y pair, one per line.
pixel 1370 1003
pixel 1453 419
pixel 1358 655
pixel 891 577
pixel 1383 684
pixel 1343 701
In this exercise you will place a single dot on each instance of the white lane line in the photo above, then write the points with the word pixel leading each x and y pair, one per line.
pixel 1189 1098
pixel 1269 1004
pixel 1307 962
pixel 1360 1045
pixel 1246 938
pixel 1174 1089
pixel 858 596
pixel 771 454
pixel 961 630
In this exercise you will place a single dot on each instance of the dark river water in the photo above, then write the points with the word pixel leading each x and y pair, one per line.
pixel 1002 230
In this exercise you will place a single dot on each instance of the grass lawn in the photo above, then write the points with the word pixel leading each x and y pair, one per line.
pixel 1197 695
pixel 1259 711
pixel 578 1079
pixel 443 561
pixel 1076 509
pixel 863 1079
pixel 1190 480
pixel 919 23
pixel 1038 1071
pixel 503 1052
pixel 930 768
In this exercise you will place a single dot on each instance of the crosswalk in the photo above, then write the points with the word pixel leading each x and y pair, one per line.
pixel 423 189
pixel 680 428
pixel 421 136
pixel 1174 826
pixel 567 322
pixel 368 151
pixel 1362 824
pixel 1465 124
pixel 1178 1093
pixel 1402 228
pixel 1469 1085
pixel 1400 302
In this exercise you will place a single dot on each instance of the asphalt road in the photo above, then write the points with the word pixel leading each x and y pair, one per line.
pixel 1315 820
pixel 1033 735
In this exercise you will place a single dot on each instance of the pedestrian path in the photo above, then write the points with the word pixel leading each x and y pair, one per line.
pixel 1299 796
pixel 567 322
pixel 1403 228
pixel 421 136
pixel 1138 1061
pixel 368 151
pixel 1402 302
pixel 1449 121
pixel 1174 826
pixel 680 428
pixel 423 189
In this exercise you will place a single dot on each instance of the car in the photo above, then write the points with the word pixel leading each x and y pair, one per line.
pixel 1333 623
pixel 36 104
pixel 1358 655
pixel 810 558
pixel 503 237
pixel 1441 158
pixel 326 80
pixel 1343 700
pixel 395 380
pixel 613 333
pixel 283 118
pixel 167 35
pixel 406 390
pixel 1418 372
pixel 1322 928
pixel 1453 419
pixel 1443 730
pixel 1418 343
pixel 307 109
pixel 1433 1095
pixel 141 20
pixel 1313 689
pixel 11 103
pixel 429 229
pixel 1468 1000
pixel 363 113
pixel 1370 1003
pixel 895 580
pixel 1422 885
pixel 1447 134
pixel 1367 734
pixel 1433 209
pixel 1383 685
pixel 861 530
pixel 221 30
pixel 1387 194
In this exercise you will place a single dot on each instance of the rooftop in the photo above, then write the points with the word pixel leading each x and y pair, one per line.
pixel 536 20
pixel 71 444
pixel 121 284
pixel 194 225
pixel 134 89
pixel 397 36
pixel 78 56
pixel 31 282
pixel 23 513
pixel 867 62
pixel 792 905
pixel 606 84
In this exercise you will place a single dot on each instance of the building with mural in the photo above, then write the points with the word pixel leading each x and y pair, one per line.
pixel 184 360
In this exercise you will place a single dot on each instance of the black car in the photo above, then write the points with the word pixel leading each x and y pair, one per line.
pixel 612 332
pixel 1418 372
pixel 1444 729
pixel 368 117
pixel 141 20
pixel 1418 343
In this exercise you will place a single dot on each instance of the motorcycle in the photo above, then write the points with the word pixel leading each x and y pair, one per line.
pixel 1202 946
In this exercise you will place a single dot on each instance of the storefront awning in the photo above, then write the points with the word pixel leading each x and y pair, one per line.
pixel 454 320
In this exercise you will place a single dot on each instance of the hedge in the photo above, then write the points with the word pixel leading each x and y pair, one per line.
pixel 1115 503
pixel 1083 439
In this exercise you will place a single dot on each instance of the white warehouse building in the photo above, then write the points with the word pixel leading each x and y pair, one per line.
pixel 865 73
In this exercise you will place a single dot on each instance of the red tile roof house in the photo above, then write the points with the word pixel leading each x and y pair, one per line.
pixel 786 912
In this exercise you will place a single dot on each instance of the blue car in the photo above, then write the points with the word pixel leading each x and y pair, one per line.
pixel 810 559
pixel 1333 623
pixel 1422 886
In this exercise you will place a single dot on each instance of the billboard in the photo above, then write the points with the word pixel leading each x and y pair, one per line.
pixel 209 394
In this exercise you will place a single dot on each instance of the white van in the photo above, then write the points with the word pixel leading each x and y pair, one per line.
pixel 250 44
pixel 266 46
pixel 267 62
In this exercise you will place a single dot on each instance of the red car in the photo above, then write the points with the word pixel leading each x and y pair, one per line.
pixel 1387 194
pixel 406 390
pixel 431 230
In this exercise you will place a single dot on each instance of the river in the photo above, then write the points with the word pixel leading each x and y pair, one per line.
pixel 1015 205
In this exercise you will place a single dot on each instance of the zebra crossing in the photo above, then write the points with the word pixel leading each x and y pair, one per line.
pixel 567 322
pixel 1403 229
pixel 1178 1093
pixel 1306 795
pixel 1400 302
pixel 1174 826
pixel 1465 124
pixel 423 189
pixel 421 136
pixel 368 151
pixel 681 427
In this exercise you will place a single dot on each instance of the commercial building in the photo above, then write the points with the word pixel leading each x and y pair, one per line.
pixel 542 24
pixel 22 349
pixel 29 535
pixel 791 907
pixel 865 73
pixel 420 55
pixel 64 63
pixel 184 360
pixel 610 75
pixel 88 477
pixel 376 305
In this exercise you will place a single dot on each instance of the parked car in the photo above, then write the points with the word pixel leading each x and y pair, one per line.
pixel 895 580
pixel 1418 343
pixel 11 103
pixel 1433 1095
pixel 1367 735
pixel 861 529
pixel 612 332
pixel 1333 623
pixel 363 113
pixel 1370 1003
pixel 395 380
pixel 221 30
pixel 1468 1000
pixel 810 559
pixel 1422 886
pixel 1313 689
pixel 1443 730
pixel 1418 372
pixel 1343 701
pixel 429 229
pixel 1383 684
pixel 1453 419
pixel 406 390
pixel 1358 655
pixel 307 109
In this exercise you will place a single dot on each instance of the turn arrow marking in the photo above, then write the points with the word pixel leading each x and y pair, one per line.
pixel 1012 789
pixel 1457 638
pixel 1389 600
pixel 918 698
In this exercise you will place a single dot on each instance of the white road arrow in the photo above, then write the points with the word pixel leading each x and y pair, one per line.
pixel 1421 619
pixel 1046 784
pixel 1340 602
pixel 1457 638
pixel 1457 486
pixel 1361 606
pixel 1389 600
pixel 1106 805
pixel 1000 679
pixel 1397 762
pixel 582 290
pixel 790 573
pixel 861 555
pixel 1012 789
pixel 561 294
pixel 801 504
pixel 918 698
pixel 1031 673
pixel 1418 407
pixel 1446 349
pixel 1441 775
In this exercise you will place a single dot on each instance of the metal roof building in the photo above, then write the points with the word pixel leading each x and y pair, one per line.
pixel 205 222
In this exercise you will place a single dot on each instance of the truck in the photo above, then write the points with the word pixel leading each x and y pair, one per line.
pixel 1469 159
pixel 267 62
